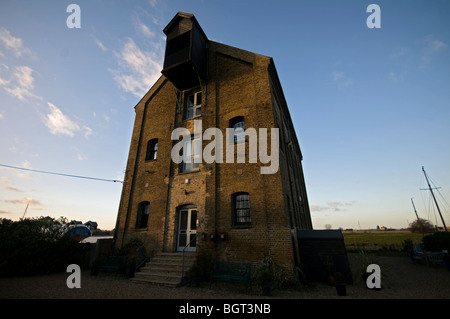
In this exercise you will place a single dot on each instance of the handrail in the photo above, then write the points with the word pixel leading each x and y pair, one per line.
pixel 146 257
pixel 184 250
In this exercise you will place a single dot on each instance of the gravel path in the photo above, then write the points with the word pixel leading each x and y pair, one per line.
pixel 401 278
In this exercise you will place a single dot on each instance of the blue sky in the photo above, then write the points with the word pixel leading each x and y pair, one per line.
pixel 370 106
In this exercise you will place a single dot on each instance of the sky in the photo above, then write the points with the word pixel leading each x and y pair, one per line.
pixel 370 106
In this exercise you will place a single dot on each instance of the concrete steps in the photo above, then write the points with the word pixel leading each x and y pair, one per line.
pixel 165 269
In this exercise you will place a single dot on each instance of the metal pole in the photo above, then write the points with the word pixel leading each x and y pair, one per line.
pixel 434 198
pixel 418 220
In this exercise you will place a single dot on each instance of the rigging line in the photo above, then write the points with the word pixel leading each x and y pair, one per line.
pixel 61 174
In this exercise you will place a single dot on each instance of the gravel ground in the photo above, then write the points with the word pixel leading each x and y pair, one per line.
pixel 401 278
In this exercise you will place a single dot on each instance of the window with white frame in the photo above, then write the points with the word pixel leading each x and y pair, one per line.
pixel 152 150
pixel 191 154
pixel 193 105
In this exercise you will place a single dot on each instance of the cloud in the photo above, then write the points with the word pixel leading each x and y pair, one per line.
pixel 24 174
pixel 21 83
pixel 138 70
pixel 145 30
pixel 13 189
pixel 12 43
pixel 333 206
pixel 395 77
pixel 431 47
pixel 342 80
pixel 87 131
pixel 318 208
pixel 24 201
pixel 99 44
pixel 5 180
pixel 59 123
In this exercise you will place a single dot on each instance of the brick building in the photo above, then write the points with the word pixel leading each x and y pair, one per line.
pixel 233 210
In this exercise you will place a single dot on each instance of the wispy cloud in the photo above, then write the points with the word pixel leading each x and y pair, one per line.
pixel 60 124
pixel 342 80
pixel 145 30
pixel 12 189
pixel 99 44
pixel 395 76
pixel 138 70
pixel 12 43
pixel 431 47
pixel 20 83
pixel 24 201
pixel 332 206
pixel 18 173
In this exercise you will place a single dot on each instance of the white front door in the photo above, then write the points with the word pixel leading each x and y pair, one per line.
pixel 187 230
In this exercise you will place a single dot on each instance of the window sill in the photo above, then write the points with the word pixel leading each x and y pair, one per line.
pixel 192 118
pixel 242 226
pixel 188 172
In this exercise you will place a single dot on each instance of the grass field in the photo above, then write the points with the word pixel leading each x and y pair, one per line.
pixel 375 240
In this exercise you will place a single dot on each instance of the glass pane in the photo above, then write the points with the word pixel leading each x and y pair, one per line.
pixel 194 240
pixel 190 101
pixel 182 240
pixel 239 131
pixel 198 111
pixel 187 151
pixel 146 210
pixel 199 98
pixel 197 146
pixel 193 220
pixel 183 220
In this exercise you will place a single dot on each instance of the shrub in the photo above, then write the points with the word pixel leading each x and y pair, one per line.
pixel 437 241
pixel 36 246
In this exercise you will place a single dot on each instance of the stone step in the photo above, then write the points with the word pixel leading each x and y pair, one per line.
pixel 165 269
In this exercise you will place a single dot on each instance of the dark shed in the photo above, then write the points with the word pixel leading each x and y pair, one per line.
pixel 323 252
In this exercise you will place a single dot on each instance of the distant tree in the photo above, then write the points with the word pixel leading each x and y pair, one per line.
pixel 421 225
pixel 328 226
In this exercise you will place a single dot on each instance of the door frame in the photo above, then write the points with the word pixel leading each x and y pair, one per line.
pixel 189 232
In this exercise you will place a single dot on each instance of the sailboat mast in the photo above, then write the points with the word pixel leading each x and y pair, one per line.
pixel 415 211
pixel 26 208
pixel 418 220
pixel 434 198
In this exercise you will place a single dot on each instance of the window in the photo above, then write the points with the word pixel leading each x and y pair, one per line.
pixel 241 209
pixel 238 124
pixel 191 155
pixel 143 212
pixel 152 149
pixel 193 105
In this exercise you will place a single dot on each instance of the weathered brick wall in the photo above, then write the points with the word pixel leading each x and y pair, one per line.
pixel 239 84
